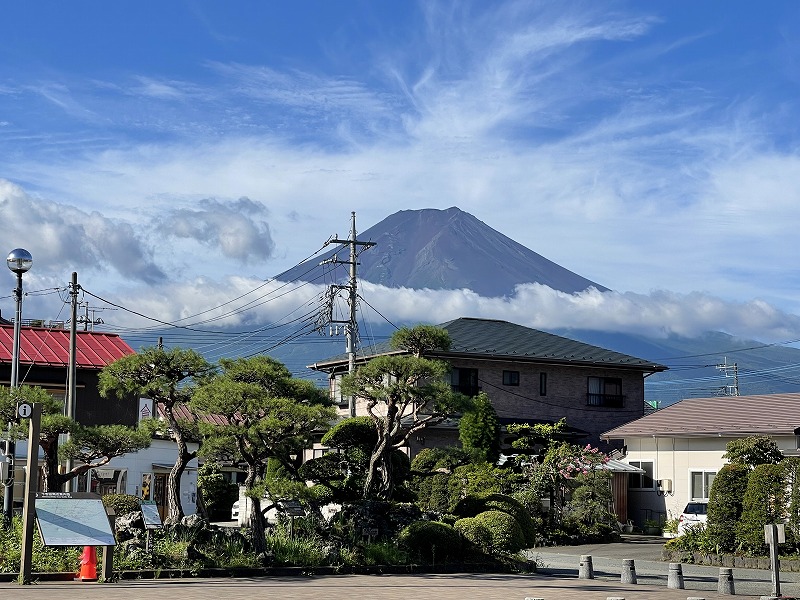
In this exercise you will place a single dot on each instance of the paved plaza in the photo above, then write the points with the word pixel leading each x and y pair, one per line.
pixel 361 587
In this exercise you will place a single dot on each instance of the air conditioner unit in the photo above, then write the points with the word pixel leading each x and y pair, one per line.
pixel 665 485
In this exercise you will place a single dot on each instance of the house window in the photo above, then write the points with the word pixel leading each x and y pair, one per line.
pixel 605 391
pixel 641 481
pixel 510 377
pixel 464 381
pixel 701 484
pixel 543 384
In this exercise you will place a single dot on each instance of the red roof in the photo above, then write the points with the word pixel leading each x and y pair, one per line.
pixel 50 347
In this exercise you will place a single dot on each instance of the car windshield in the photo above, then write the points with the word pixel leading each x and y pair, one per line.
pixel 696 508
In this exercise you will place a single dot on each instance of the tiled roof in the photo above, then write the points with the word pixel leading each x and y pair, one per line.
pixel 50 347
pixel 494 338
pixel 182 413
pixel 720 416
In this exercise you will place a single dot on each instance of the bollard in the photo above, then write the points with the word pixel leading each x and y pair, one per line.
pixel 675 576
pixel 725 585
pixel 586 571
pixel 628 571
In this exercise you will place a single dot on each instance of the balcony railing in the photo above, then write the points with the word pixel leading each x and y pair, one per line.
pixel 610 400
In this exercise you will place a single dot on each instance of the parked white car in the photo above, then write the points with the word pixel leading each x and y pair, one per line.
pixel 695 513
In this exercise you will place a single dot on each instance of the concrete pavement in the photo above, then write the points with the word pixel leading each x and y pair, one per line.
pixel 364 587
pixel 564 561
pixel 557 579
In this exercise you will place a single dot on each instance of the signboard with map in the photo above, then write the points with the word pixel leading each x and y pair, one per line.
pixel 152 520
pixel 73 519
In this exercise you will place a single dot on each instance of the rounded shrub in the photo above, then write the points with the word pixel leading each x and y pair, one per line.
pixel 122 504
pixel 475 504
pixel 475 532
pixel 725 505
pixel 352 432
pixel 506 533
pixel 431 541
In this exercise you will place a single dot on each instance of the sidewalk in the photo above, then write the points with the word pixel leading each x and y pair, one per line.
pixel 365 587
pixel 564 561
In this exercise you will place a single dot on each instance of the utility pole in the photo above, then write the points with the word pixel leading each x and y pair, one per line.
pixel 69 407
pixel 350 325
pixel 730 390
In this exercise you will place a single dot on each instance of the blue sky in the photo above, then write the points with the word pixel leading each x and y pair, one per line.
pixel 175 154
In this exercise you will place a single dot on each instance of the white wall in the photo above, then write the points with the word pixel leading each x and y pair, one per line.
pixel 675 459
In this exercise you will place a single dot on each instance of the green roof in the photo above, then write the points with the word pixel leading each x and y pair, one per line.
pixel 495 339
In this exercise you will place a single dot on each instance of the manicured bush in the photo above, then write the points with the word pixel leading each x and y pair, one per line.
pixel 434 494
pixel 352 432
pixel 475 532
pixel 764 502
pixel 725 505
pixel 506 533
pixel 475 504
pixel 431 541
pixel 122 504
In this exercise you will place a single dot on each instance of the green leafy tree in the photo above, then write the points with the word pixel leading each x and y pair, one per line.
pixel 479 430
pixel 753 451
pixel 168 377
pixel 90 447
pixel 404 394
pixel 764 502
pixel 725 505
pixel 567 467
pixel 268 417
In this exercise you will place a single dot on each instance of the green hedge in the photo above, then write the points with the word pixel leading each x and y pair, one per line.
pixel 764 502
pixel 725 505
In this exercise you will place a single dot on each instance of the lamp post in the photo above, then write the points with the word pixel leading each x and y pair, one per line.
pixel 19 261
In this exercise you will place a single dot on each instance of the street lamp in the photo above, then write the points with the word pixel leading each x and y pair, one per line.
pixel 19 261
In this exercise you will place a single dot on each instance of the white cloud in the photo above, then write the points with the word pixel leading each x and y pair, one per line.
pixel 238 229
pixel 61 237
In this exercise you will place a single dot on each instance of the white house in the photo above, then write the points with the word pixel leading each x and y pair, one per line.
pixel 680 448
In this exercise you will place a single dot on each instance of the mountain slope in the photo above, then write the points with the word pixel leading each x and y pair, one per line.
pixel 444 249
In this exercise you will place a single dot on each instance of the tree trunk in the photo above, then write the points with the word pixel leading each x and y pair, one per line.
pixel 256 519
pixel 174 507
pixel 380 478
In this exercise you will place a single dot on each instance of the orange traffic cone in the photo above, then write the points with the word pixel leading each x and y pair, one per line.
pixel 88 570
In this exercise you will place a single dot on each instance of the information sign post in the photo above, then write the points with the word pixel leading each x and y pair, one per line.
pixel 34 413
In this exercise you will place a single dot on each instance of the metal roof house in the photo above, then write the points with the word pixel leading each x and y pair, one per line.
pixel 681 447
pixel 529 375
pixel 44 360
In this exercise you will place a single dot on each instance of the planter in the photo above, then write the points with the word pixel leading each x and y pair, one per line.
pixel 652 530
pixel 669 534
pixel 627 529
